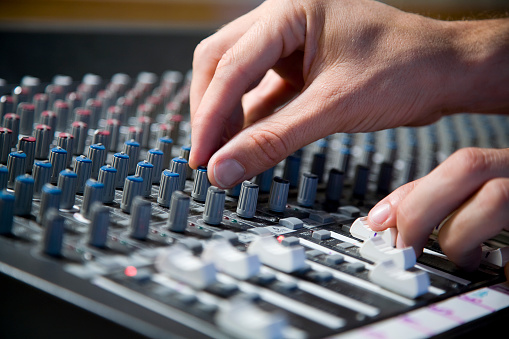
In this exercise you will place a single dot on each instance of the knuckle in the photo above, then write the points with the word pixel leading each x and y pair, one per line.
pixel 207 49
pixel 496 194
pixel 270 148
pixel 471 161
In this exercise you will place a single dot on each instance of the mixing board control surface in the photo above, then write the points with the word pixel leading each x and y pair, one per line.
pixel 100 209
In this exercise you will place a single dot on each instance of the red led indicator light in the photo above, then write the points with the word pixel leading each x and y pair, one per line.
pixel 130 271
pixel 280 238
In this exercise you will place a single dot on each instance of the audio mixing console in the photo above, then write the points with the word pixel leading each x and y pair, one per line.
pixel 105 230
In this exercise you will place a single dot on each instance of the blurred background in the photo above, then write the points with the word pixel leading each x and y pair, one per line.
pixel 73 37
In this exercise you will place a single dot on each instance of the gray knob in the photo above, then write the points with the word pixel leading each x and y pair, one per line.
pixel 145 123
pixel 27 145
pixel 83 168
pixel 185 151
pixel 67 181
pixel 99 224
pixel 132 187
pixel 97 153
pixel 214 206
pixel 165 144
pixel 6 212
pixel 50 198
pixel 4 177
pixel 80 131
pixel 40 103
pixel 132 149
pixel 179 210
pixel 107 176
pixel 5 144
pixel 83 115
pixel 278 194
pixel 246 206
pixel 66 141
pixel 135 133
pixel 49 118
pixel 144 169
pixel 141 212
pixel 201 185
pixel 24 193
pixel 102 137
pixel 155 157
pixel 113 126
pixel 120 162
pixel 307 190
pixel 42 175
pixel 58 160
pixel 6 105
pixel 93 192
pixel 169 184
pixel 11 121
pixel 179 165
pixel 53 232
pixel 95 108
pixel 15 166
pixel 61 108
pixel 43 138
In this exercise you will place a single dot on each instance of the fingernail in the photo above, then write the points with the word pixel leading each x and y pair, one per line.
pixel 228 172
pixel 379 214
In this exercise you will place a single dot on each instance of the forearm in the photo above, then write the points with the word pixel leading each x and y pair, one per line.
pixel 480 59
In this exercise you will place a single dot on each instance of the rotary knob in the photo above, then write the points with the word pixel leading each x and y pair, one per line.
pixel 214 206
pixel 15 166
pixel 43 138
pixel 96 153
pixel 83 168
pixel 11 121
pixel 42 175
pixel 165 144
pixel 93 192
pixel 67 181
pixel 169 184
pixel 132 187
pixel 4 176
pixel 54 227
pixel 50 198
pixel 58 160
pixel 201 185
pixel 307 190
pixel 5 144
pixel 132 149
pixel 179 165
pixel 80 131
pixel 145 170
pixel 120 162
pixel 155 157
pixel 179 210
pixel 27 145
pixel 99 224
pixel 248 199
pixel 278 194
pixel 23 193
pixel 141 212
pixel 107 176
pixel 6 212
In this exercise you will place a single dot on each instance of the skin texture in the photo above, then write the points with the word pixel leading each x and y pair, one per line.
pixel 291 72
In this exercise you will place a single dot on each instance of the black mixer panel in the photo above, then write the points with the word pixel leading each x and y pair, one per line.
pixel 105 229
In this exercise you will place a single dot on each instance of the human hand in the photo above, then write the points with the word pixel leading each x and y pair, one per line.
pixel 471 186
pixel 351 65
